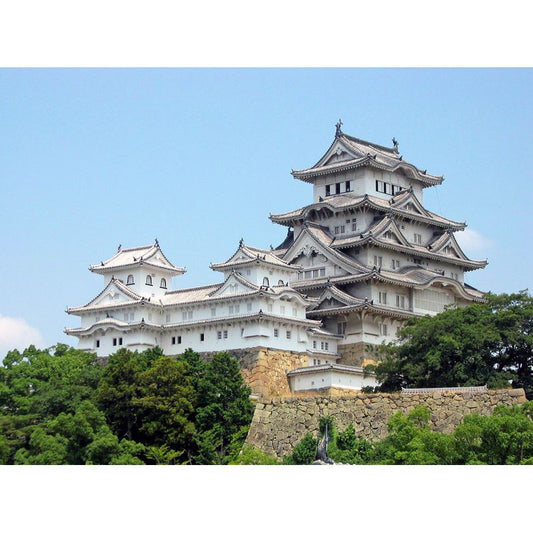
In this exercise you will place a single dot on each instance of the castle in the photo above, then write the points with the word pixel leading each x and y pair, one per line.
pixel 356 263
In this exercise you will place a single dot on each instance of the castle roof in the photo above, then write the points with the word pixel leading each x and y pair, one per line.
pixel 151 255
pixel 246 255
pixel 404 204
pixel 99 303
pixel 347 152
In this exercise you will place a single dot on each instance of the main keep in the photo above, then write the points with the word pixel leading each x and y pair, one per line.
pixel 356 263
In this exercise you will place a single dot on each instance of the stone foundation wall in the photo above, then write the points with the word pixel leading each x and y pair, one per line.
pixel 264 369
pixel 352 354
pixel 280 423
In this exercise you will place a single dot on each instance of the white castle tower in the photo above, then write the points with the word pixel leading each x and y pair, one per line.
pixel 369 251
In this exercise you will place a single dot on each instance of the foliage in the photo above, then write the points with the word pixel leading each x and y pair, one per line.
pixel 252 456
pixel 488 343
pixel 223 410
pixel 304 453
pixel 63 406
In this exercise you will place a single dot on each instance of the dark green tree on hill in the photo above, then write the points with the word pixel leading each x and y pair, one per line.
pixel 489 343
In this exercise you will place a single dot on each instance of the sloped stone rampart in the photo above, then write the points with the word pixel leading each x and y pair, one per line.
pixel 280 423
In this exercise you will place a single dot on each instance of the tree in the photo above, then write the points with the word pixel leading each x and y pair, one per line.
pixel 224 408
pixel 488 343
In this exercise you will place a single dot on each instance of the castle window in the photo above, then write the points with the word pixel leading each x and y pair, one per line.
pixel 163 284
pixel 276 333
pixel 383 329
pixel 328 192
pixel 314 347
pixel 225 334
pixel 97 343
pixel 382 298
pixel 395 264
pixel 179 340
pixel 266 283
pixel 400 301
pixel 280 283
pixel 149 280
pixel 219 335
pixel 288 334
pixel 417 238
pixel 248 307
pixel 130 280
pixel 348 186
pixel 378 260
pixel 202 337
pixel 341 328
pixel 354 224
pixel 173 340
pixel 337 188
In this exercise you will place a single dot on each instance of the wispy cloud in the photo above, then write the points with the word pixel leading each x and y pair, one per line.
pixel 473 243
pixel 16 333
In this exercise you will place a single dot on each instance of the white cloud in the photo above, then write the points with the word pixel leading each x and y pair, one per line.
pixel 16 333
pixel 472 242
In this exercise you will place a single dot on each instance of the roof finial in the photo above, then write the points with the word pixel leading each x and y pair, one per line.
pixel 156 242
pixel 119 247
pixel 241 242
pixel 395 143
pixel 338 131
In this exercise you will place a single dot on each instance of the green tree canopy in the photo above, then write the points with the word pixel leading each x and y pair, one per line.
pixel 488 343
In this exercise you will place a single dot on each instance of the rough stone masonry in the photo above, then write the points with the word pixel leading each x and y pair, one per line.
pixel 280 423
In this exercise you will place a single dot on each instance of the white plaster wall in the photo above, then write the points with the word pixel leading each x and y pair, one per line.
pixel 331 378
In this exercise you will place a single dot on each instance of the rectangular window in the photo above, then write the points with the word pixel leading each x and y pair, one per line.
pixel 341 328
pixel 383 329
pixel 378 260
pixel 382 298
pixel 288 334
pixel 395 264
pixel 225 335
pixel 184 315
pixel 348 186
pixel 328 193
pixel 114 341
pixel 400 301
pixel 202 337
pixel 315 273
pixel 314 345
pixel 337 188
pixel 276 333
pixel 120 341
pixel 326 346
pixel 322 345
pixel 417 238
pixel 354 225
pixel 173 340
pixel 179 340
pixel 213 311
pixel 219 335
pixel 294 311
pixel 343 229
pixel 322 271
pixel 237 309
pixel 337 229
pixel 98 344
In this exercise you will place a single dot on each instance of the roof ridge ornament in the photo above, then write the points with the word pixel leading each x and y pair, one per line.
pixel 156 242
pixel 395 144
pixel 338 131
pixel 241 243
pixel 119 247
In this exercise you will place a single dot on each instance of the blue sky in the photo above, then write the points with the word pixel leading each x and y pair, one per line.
pixel 94 158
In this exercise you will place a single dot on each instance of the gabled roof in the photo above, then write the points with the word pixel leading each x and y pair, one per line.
pixel 320 241
pixel 347 152
pixel 114 284
pixel 412 276
pixel 404 204
pixel 375 235
pixel 151 255
pixel 246 255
